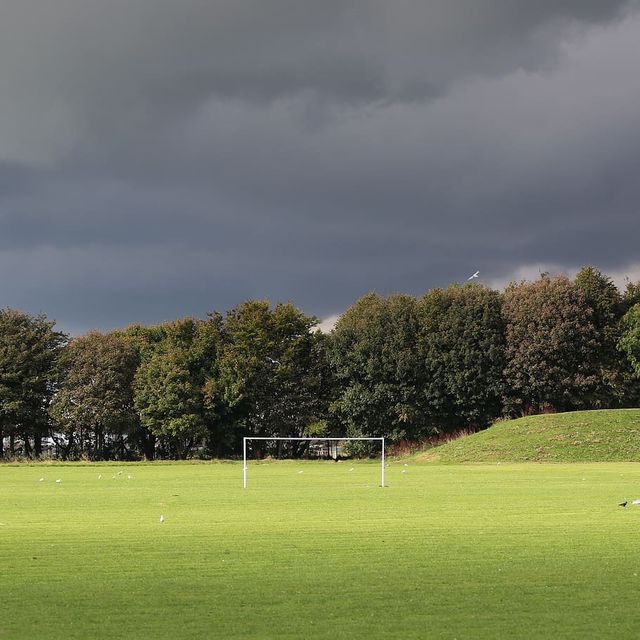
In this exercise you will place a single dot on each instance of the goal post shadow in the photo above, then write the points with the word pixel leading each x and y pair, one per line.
pixel 246 439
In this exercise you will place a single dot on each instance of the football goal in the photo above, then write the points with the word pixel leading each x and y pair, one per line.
pixel 246 440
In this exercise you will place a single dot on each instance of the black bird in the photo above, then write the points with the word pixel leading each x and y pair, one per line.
pixel 623 504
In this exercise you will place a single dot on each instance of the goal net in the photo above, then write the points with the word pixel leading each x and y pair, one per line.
pixel 317 445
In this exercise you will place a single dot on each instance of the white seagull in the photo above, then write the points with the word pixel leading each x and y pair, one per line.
pixel 475 275
pixel 161 518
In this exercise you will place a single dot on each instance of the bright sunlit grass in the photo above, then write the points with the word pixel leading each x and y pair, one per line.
pixel 495 551
pixel 608 435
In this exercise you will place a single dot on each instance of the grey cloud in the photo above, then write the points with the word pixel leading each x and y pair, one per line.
pixel 165 158
pixel 84 66
pixel 16 178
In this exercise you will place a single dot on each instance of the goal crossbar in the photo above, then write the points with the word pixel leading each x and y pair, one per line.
pixel 247 438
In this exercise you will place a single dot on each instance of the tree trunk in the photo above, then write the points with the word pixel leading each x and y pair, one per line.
pixel 149 444
pixel 63 451
pixel 66 451
pixel 37 445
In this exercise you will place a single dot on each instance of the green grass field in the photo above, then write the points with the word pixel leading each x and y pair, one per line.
pixel 445 551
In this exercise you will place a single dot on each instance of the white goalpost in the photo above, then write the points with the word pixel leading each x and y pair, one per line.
pixel 246 439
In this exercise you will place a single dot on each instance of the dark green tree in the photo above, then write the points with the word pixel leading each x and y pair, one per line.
pixel 145 340
pixel 169 402
pixel 29 346
pixel 274 378
pixel 551 347
pixel 630 340
pixel 631 296
pixel 93 406
pixel 379 372
pixel 615 385
pixel 173 382
pixel 463 351
pixel 601 294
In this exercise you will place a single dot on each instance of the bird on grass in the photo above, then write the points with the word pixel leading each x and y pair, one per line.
pixel 636 502
pixel 161 518
pixel 623 504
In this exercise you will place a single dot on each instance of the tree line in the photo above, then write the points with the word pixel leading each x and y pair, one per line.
pixel 400 366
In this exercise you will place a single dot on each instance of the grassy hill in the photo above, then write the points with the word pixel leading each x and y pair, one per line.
pixel 580 436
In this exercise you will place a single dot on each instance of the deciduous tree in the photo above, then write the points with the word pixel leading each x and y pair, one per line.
pixel 379 372
pixel 274 378
pixel 551 346
pixel 29 346
pixel 177 371
pixel 463 351
pixel 615 385
pixel 94 404
pixel 630 340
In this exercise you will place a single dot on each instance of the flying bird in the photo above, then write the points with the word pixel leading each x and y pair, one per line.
pixel 475 275
pixel 272 360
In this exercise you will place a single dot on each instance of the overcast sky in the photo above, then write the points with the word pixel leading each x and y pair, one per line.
pixel 162 158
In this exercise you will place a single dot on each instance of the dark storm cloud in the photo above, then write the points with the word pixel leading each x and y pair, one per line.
pixel 161 158
pixel 15 177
